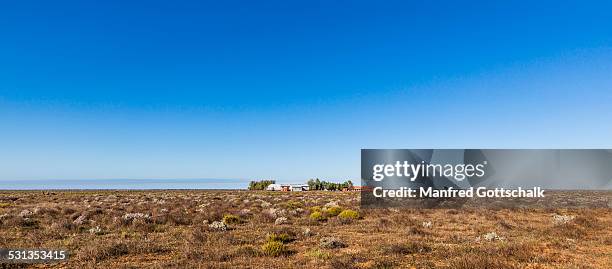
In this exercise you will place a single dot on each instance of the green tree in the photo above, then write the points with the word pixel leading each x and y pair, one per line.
pixel 260 185
pixel 312 184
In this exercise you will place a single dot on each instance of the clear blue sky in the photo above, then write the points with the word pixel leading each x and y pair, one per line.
pixel 291 89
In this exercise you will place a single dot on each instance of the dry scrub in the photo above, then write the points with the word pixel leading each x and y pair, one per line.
pixel 258 229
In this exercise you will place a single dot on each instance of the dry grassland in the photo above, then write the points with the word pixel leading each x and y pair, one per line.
pixel 257 229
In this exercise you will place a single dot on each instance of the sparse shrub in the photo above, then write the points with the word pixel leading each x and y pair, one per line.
pixel 213 213
pixel 475 261
pixel 384 264
pixel 333 211
pixel 293 205
pixel 75 215
pixel 522 252
pixel 285 230
pixel 231 219
pixel 247 251
pixel 28 223
pixel 160 219
pixel 80 220
pixel 266 216
pixel 407 248
pixel 416 230
pixel 271 213
pixel 143 225
pixel 97 252
pixel 383 223
pixel 331 242
pixel 4 217
pixel 319 254
pixel 65 225
pixel 345 261
pixel 196 236
pixel 317 216
pixel 68 210
pixel 570 229
pixel 452 212
pixel 178 218
pixel 506 225
pixel 95 211
pixel 274 249
pixel 315 209
pixel 114 250
pixel 348 215
pixel 47 211
pixel 282 237
pixel 588 222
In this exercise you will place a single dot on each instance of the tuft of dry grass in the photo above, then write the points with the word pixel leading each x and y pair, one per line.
pixel 473 261
pixel 407 248
pixel 275 249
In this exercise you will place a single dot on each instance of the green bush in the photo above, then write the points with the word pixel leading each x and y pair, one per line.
pixel 317 216
pixel 293 205
pixel 333 211
pixel 283 238
pixel 260 185
pixel 315 209
pixel 319 254
pixel 348 215
pixel 231 219
pixel 274 249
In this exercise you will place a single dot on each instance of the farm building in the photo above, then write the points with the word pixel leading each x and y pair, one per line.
pixel 287 187
pixel 274 187
pixel 298 187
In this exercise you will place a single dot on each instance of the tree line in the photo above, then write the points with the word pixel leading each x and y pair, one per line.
pixel 260 185
pixel 316 184
pixel 313 184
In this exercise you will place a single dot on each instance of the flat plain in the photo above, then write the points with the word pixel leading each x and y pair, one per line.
pixel 317 229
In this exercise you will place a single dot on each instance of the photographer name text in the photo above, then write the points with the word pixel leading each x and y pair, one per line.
pixel 430 192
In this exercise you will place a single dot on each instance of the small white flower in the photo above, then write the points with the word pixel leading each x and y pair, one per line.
pixel 562 219
pixel 218 225
pixel 492 236
pixel 25 213
pixel 281 221
pixel 95 230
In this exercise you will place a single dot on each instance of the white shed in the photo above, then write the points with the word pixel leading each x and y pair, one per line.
pixel 274 187
pixel 299 187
